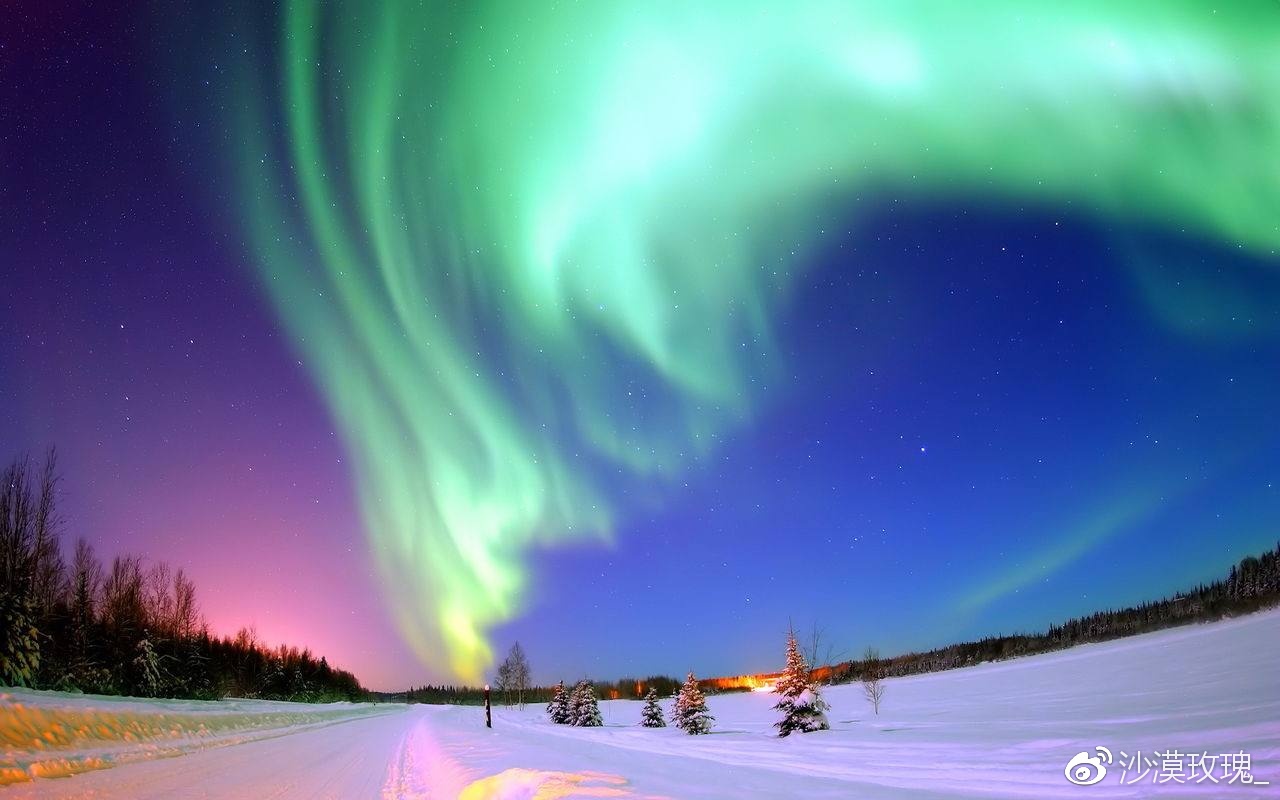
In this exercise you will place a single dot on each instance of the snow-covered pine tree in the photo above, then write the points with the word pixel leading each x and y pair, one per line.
pixel 691 714
pixel 147 664
pixel 19 639
pixel 584 711
pixel 802 706
pixel 558 708
pixel 651 717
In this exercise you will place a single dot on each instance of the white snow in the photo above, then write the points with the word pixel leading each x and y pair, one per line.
pixel 1005 729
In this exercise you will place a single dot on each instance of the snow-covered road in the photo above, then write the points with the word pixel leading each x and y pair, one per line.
pixel 995 730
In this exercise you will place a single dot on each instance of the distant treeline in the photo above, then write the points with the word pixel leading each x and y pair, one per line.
pixel 124 629
pixel 623 688
pixel 1252 584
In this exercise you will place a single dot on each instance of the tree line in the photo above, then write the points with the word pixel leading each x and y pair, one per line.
pixel 512 685
pixel 1252 584
pixel 124 628
pixel 451 694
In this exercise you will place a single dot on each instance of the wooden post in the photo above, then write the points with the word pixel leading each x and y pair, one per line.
pixel 488 713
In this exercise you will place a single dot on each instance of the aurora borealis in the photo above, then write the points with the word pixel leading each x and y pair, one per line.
pixel 577 283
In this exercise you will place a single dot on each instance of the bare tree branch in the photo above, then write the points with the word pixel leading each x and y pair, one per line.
pixel 873 678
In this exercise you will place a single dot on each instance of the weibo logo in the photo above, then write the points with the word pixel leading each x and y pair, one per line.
pixel 1086 770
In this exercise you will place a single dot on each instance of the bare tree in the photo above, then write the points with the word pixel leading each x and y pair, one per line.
pixel 502 681
pixel 873 678
pixel 19 636
pixel 513 676
pixel 16 538
pixel 123 603
pixel 159 601
pixel 520 672
pixel 247 638
pixel 47 569
pixel 186 618
pixel 86 583
pixel 30 556
pixel 821 653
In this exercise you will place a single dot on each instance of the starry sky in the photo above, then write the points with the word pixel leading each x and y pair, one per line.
pixel 635 333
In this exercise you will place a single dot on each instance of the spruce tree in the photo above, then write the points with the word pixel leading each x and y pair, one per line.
pixel 691 714
pixel 802 706
pixel 584 711
pixel 558 708
pixel 19 639
pixel 147 666
pixel 651 717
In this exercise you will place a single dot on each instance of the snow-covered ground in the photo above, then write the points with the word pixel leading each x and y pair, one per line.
pixel 996 730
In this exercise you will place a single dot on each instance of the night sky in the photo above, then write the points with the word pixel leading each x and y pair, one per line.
pixel 378 326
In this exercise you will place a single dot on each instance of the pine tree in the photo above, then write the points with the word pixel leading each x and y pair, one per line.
pixel 802 706
pixel 584 711
pixel 147 664
pixel 558 708
pixel 690 714
pixel 20 642
pixel 651 717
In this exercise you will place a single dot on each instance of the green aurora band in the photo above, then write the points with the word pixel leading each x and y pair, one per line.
pixel 531 252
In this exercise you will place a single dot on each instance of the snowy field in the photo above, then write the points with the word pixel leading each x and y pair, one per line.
pixel 997 730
